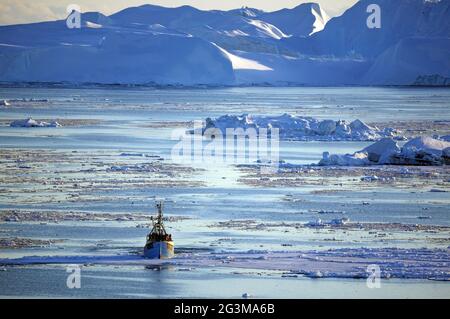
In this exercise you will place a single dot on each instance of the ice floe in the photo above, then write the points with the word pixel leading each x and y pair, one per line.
pixel 304 128
pixel 34 123
pixel 423 151
pixel 24 216
pixel 417 151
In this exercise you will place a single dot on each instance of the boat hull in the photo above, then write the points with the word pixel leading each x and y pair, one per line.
pixel 159 250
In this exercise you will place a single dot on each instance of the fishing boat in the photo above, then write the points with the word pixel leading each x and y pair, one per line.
pixel 159 243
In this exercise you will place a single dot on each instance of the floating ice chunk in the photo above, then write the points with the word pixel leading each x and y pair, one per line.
pixel 356 159
pixel 377 153
pixel 362 131
pixel 418 151
pixel 246 295
pixel 314 274
pixel 381 151
pixel 333 222
pixel 302 128
pixel 424 151
pixel 4 103
pixel 33 123
pixel 425 144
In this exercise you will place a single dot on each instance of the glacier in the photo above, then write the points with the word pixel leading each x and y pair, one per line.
pixel 154 45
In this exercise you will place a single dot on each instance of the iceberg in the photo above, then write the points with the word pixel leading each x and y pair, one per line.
pixel 33 123
pixel 423 151
pixel 303 128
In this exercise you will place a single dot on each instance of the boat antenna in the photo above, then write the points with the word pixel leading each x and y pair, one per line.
pixel 158 226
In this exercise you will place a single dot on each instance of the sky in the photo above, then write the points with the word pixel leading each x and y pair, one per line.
pixel 26 11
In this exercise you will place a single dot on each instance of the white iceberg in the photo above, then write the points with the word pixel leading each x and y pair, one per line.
pixel 4 103
pixel 381 151
pixel 423 151
pixel 418 151
pixel 34 123
pixel 303 128
pixel 425 144
pixel 356 159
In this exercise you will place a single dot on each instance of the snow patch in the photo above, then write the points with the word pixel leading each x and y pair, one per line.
pixel 268 29
pixel 239 63
pixel 93 25
pixel 236 33
pixel 321 18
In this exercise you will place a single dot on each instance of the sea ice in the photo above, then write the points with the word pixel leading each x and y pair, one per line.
pixel 418 263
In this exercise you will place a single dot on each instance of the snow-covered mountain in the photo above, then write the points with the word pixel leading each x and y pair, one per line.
pixel 184 45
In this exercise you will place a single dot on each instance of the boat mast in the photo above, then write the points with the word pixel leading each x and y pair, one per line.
pixel 159 222
pixel 158 226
